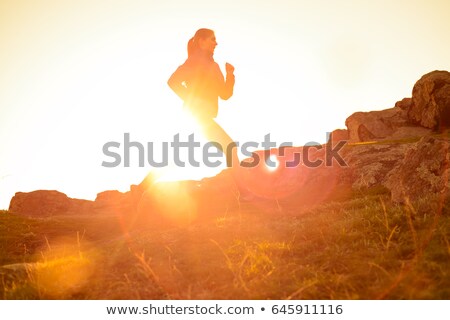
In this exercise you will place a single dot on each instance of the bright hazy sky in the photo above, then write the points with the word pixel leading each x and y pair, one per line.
pixel 77 74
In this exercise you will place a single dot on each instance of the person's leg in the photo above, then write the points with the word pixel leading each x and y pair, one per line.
pixel 215 133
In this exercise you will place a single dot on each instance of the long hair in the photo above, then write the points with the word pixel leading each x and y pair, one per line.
pixel 193 43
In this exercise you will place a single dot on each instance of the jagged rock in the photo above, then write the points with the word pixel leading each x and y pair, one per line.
pixel 339 135
pixel 111 198
pixel 116 202
pixel 404 104
pixel 136 191
pixel 384 125
pixel 409 132
pixel 430 105
pixel 424 170
pixel 369 165
pixel 375 125
pixel 47 203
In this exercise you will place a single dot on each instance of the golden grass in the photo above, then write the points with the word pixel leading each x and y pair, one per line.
pixel 362 247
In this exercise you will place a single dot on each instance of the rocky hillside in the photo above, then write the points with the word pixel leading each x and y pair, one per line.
pixel 365 216
pixel 404 149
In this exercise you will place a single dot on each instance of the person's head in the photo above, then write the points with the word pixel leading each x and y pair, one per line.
pixel 203 40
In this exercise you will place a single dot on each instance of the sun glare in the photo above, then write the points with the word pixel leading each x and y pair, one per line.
pixel 272 163
pixel 76 90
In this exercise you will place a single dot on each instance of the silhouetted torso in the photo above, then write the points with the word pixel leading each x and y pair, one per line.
pixel 200 82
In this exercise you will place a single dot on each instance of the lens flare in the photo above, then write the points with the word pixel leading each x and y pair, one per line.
pixel 272 163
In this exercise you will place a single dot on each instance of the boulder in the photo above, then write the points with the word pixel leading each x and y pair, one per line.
pixel 409 132
pixel 404 104
pixel 369 165
pixel 338 135
pixel 137 190
pixel 47 203
pixel 384 124
pixel 115 202
pixel 375 125
pixel 111 198
pixel 430 105
pixel 423 170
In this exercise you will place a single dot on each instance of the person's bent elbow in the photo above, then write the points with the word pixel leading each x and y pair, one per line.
pixel 226 96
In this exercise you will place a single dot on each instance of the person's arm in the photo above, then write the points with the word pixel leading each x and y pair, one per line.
pixel 176 82
pixel 227 89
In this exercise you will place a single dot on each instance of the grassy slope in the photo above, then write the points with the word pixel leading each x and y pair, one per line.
pixel 362 247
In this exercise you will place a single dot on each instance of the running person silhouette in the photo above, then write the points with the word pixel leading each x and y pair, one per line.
pixel 199 82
